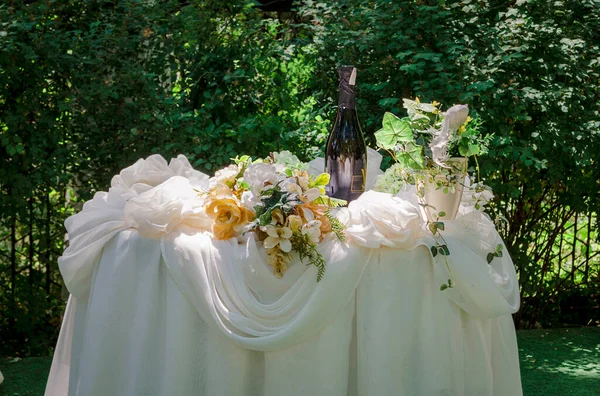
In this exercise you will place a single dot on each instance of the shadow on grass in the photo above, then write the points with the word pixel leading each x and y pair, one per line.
pixel 25 377
pixel 560 362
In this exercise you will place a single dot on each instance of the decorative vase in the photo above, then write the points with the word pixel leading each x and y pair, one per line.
pixel 439 200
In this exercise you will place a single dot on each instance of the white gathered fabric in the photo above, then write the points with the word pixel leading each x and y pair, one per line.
pixel 159 307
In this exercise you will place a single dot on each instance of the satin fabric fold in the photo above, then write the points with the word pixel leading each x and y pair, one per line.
pixel 211 274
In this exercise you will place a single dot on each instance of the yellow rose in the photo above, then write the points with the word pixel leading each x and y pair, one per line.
pixel 229 216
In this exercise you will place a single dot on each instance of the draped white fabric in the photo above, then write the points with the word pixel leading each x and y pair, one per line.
pixel 159 307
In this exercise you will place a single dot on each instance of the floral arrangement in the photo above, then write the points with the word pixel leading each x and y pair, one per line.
pixel 422 143
pixel 277 200
pixel 424 146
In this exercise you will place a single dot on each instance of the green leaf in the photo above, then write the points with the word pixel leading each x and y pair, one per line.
pixel 444 250
pixel 336 202
pixel 490 257
pixel 265 218
pixel 442 214
pixel 474 149
pixel 411 157
pixel 499 247
pixel 394 130
pixel 443 287
pixel 322 179
pixel 499 254
pixel 440 225
pixel 434 251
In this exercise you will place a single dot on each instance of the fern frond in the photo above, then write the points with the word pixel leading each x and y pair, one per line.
pixel 337 226
pixel 307 250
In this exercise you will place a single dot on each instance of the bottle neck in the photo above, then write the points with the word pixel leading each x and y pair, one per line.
pixel 347 99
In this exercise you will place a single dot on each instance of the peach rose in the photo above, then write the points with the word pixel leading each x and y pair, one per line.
pixel 229 216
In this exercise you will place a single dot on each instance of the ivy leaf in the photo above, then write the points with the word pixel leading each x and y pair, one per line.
pixel 443 287
pixel 444 250
pixel 265 218
pixel 411 157
pixel 440 225
pixel 474 149
pixel 490 257
pixel 434 251
pixel 467 149
pixel 394 130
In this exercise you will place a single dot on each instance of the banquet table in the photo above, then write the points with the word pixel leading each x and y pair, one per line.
pixel 158 306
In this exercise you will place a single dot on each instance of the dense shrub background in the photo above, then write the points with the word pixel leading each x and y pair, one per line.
pixel 88 87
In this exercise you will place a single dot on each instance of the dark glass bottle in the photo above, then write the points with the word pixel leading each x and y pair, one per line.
pixel 346 153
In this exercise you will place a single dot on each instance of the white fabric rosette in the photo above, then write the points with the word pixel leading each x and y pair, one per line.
pixel 138 198
pixel 380 219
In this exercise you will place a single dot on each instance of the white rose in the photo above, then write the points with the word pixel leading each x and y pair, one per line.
pixel 249 200
pixel 227 175
pixel 291 186
pixel 257 175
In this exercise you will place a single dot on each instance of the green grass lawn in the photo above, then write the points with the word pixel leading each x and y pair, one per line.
pixel 561 362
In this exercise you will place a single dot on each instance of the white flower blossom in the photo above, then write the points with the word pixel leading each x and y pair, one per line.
pixel 291 186
pixel 218 189
pixel 313 230
pixel 278 260
pixel 249 200
pixel 227 175
pixel 278 236
pixel 476 195
pixel 310 195
pixel 260 174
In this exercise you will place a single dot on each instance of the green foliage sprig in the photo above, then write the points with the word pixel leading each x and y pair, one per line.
pixel 496 253
pixel 336 226
pixel 441 247
pixel 302 244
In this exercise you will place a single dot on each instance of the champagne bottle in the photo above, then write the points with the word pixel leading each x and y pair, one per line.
pixel 346 153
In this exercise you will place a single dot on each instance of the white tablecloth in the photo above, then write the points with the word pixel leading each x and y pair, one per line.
pixel 158 307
